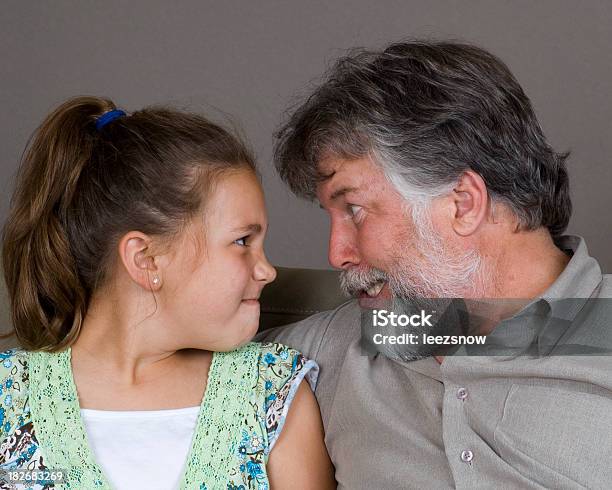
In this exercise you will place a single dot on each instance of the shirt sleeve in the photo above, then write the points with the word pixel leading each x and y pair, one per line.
pixel 282 369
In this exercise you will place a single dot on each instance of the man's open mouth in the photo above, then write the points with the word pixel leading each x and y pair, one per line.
pixel 374 290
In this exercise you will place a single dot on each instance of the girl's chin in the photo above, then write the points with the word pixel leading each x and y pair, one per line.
pixel 250 324
pixel 240 328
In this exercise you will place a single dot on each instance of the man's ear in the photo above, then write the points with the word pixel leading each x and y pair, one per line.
pixel 135 253
pixel 470 203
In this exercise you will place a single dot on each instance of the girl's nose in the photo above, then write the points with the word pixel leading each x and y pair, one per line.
pixel 264 271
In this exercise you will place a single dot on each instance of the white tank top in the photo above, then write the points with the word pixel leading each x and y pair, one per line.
pixel 142 449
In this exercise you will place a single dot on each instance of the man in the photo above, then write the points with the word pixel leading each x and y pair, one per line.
pixel 439 183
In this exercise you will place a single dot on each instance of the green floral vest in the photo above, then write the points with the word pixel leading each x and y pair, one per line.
pixel 247 398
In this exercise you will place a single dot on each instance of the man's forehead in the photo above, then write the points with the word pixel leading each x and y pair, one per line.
pixel 333 165
pixel 340 176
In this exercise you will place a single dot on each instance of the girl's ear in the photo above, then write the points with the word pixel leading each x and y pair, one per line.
pixel 134 250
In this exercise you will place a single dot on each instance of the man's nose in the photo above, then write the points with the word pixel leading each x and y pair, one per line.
pixel 343 252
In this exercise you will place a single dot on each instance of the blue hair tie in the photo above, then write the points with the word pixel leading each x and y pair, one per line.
pixel 108 117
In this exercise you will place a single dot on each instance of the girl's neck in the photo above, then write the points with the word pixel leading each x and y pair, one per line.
pixel 176 381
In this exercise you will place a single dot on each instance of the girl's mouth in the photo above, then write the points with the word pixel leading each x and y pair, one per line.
pixel 251 301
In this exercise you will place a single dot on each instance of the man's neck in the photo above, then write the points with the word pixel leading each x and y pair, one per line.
pixel 525 265
pixel 523 268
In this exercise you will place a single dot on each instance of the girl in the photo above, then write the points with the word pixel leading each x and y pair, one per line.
pixel 133 255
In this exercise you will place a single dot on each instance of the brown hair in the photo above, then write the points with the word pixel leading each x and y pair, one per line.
pixel 79 190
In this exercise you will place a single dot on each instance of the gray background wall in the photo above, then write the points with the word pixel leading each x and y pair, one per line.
pixel 251 59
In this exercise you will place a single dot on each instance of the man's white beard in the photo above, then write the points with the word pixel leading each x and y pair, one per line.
pixel 439 272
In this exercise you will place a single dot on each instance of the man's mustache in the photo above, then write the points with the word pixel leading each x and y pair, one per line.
pixel 357 279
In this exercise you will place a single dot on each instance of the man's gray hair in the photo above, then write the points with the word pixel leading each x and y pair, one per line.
pixel 426 112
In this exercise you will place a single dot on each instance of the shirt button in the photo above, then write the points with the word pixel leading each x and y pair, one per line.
pixel 462 393
pixel 467 456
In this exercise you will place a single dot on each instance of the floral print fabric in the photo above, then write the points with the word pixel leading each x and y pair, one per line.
pixel 247 399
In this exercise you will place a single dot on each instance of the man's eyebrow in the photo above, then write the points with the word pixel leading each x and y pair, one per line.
pixel 340 192
pixel 343 190
pixel 252 228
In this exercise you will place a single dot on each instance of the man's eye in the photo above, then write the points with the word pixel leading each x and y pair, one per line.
pixel 355 211
pixel 241 241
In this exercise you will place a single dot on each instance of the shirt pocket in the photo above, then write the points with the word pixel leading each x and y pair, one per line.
pixel 559 438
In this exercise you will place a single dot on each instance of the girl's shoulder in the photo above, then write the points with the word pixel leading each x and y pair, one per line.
pixel 275 372
pixel 12 363
pixel 276 364
pixel 279 364
pixel 14 389
pixel 281 371
pixel 272 358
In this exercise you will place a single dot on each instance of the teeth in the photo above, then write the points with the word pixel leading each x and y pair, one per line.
pixel 374 290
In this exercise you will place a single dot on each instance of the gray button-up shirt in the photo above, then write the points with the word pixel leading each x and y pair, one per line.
pixel 507 422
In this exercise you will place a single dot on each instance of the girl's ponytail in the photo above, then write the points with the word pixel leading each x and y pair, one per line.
pixel 47 297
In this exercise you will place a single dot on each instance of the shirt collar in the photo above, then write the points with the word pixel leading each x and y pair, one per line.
pixel 542 322
pixel 578 282
pixel 580 277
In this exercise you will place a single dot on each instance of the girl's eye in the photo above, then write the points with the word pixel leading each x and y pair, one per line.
pixel 241 241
